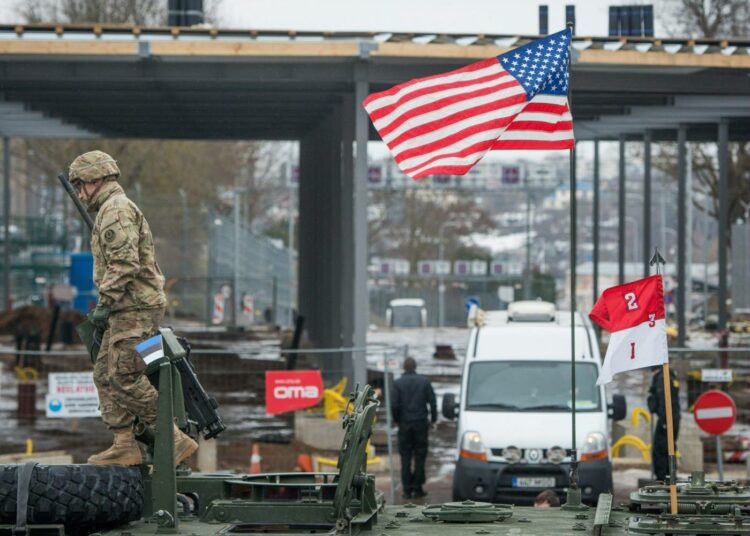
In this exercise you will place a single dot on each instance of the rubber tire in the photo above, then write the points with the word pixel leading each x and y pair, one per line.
pixel 84 497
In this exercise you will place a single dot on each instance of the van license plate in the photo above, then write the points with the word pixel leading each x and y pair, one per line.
pixel 534 482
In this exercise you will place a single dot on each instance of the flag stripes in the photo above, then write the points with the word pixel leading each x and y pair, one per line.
pixel 446 123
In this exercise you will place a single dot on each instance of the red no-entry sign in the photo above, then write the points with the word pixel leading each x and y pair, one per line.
pixel 714 412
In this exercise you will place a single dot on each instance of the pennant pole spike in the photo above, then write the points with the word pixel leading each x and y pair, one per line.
pixel 670 439
pixel 658 260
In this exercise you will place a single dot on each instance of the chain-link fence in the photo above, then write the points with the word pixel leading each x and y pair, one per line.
pixel 218 270
pixel 235 377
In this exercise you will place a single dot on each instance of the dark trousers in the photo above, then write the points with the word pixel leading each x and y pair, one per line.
pixel 412 443
pixel 660 449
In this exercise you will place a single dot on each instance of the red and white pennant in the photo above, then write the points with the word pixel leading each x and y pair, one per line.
pixel 634 314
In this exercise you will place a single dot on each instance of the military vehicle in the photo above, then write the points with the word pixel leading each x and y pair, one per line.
pixel 156 498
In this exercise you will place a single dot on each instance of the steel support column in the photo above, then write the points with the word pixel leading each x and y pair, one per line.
pixel 682 273
pixel 309 225
pixel 621 215
pixel 6 224
pixel 361 310
pixel 347 218
pixel 321 249
pixel 646 203
pixel 595 259
pixel 724 228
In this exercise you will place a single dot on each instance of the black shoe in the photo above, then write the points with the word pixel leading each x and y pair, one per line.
pixel 407 495
pixel 419 493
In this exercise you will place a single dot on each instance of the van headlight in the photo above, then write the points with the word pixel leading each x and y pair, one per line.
pixel 594 447
pixel 472 447
pixel 512 454
pixel 556 455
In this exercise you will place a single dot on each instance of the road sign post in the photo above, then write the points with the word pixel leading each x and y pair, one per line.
pixel 715 413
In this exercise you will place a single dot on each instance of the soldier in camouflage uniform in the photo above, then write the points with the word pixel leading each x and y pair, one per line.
pixel 130 307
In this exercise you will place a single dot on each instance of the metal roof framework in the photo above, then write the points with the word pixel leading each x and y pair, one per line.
pixel 126 81
pixel 178 83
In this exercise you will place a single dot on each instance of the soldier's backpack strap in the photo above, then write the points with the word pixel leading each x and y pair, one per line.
pixel 22 497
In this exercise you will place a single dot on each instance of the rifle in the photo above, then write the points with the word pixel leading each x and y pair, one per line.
pixel 87 331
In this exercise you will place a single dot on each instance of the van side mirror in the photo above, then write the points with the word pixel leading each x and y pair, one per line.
pixel 618 409
pixel 450 407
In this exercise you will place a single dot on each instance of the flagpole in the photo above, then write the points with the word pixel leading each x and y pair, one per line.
pixel 573 499
pixel 658 260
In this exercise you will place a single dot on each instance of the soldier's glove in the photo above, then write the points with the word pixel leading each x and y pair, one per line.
pixel 99 316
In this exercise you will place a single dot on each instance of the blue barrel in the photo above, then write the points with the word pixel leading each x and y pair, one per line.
pixel 82 278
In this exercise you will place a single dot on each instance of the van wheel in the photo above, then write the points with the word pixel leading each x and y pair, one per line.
pixel 84 497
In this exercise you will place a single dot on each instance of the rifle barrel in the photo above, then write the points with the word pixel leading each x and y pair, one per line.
pixel 74 196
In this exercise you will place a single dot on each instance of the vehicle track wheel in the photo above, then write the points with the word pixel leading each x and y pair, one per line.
pixel 84 497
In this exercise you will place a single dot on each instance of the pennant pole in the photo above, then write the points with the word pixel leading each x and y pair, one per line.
pixel 658 261
pixel 670 439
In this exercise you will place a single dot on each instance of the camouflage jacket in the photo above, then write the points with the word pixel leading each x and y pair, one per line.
pixel 125 268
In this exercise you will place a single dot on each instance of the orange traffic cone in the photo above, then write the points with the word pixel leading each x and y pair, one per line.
pixel 255 460
pixel 304 463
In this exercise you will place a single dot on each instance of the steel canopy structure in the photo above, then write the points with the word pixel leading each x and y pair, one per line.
pixel 187 83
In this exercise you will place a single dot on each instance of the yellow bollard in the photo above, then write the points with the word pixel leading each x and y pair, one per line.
pixel 29 447
pixel 633 441
pixel 638 412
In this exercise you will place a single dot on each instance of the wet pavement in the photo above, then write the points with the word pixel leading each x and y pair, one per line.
pixel 237 383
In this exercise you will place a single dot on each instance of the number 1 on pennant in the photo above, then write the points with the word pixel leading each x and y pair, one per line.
pixel 632 350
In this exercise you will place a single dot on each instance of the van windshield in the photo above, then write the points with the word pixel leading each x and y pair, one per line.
pixel 531 386
pixel 406 316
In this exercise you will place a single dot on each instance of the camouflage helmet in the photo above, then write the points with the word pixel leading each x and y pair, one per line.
pixel 93 165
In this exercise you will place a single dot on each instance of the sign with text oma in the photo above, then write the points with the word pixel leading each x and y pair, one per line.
pixel 72 395
pixel 290 390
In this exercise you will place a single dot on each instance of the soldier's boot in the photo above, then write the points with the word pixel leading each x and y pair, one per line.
pixel 124 451
pixel 184 445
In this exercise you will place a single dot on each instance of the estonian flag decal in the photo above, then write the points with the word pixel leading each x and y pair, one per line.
pixel 151 349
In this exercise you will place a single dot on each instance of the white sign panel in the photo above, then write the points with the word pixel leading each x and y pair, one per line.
pixel 506 293
pixel 432 267
pixel 462 267
pixel 478 267
pixel 72 395
pixel 716 375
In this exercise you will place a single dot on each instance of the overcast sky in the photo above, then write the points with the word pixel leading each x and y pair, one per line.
pixel 423 16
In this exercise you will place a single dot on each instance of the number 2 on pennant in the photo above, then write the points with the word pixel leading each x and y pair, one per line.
pixel 632 350
pixel 630 298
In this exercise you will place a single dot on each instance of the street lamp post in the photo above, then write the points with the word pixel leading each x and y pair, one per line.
pixel 441 281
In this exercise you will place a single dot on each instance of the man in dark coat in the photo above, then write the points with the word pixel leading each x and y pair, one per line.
pixel 412 393
pixel 656 405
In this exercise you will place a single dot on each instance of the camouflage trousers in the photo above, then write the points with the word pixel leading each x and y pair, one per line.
pixel 124 391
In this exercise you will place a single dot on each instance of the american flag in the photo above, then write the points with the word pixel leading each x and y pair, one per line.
pixel 446 123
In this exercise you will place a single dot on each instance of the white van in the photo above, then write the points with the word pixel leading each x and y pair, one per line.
pixel 514 412
pixel 406 313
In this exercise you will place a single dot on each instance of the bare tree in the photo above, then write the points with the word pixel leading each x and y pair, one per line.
pixel 706 174
pixel 407 223
pixel 707 18
pixel 138 12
